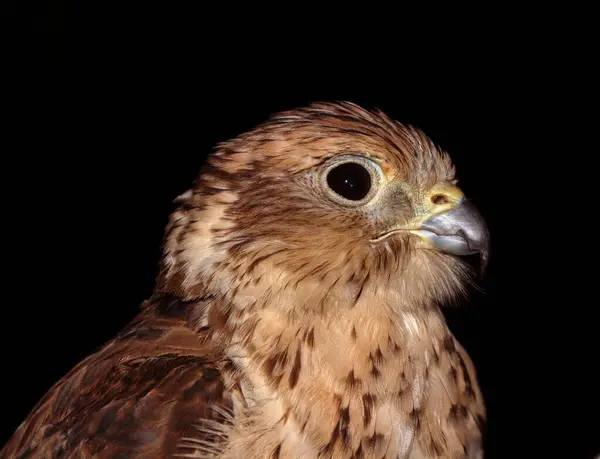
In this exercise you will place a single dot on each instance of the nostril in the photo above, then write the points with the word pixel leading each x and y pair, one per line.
pixel 440 199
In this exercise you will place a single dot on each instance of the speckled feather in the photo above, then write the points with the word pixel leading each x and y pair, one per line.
pixel 277 328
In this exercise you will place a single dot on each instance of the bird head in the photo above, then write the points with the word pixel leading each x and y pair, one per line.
pixel 324 204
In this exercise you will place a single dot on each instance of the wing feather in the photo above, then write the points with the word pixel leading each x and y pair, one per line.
pixel 139 396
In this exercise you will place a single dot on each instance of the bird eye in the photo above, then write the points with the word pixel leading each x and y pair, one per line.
pixel 350 180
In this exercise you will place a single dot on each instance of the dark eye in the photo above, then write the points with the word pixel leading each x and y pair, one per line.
pixel 350 180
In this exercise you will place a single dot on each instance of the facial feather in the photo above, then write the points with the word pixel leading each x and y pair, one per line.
pixel 255 204
pixel 320 319
pixel 296 311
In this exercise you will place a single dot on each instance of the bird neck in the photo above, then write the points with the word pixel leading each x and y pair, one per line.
pixel 351 362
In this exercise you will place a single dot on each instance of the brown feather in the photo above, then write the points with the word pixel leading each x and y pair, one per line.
pixel 278 328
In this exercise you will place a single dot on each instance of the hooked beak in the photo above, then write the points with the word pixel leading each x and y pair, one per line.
pixel 447 221
pixel 458 231
pixel 455 227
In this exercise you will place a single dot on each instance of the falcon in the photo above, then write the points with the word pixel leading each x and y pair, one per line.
pixel 297 311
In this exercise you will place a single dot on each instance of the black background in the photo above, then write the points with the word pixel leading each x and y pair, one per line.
pixel 118 105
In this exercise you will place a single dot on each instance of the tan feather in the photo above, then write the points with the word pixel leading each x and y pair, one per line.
pixel 282 325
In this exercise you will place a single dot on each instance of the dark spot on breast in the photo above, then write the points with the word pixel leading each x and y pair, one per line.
pixel 415 415
pixel 368 404
pixel 458 412
pixel 304 425
pixel 341 432
pixel 353 333
pixel 257 279
pixel 310 338
pixel 274 364
pixel 448 344
pixel 295 373
pixel 345 416
pixel 344 423
pixel 276 452
pixel 375 372
pixel 465 373
pixel 378 355
pixel 351 381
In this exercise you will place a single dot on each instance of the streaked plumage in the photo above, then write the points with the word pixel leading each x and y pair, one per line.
pixel 287 322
